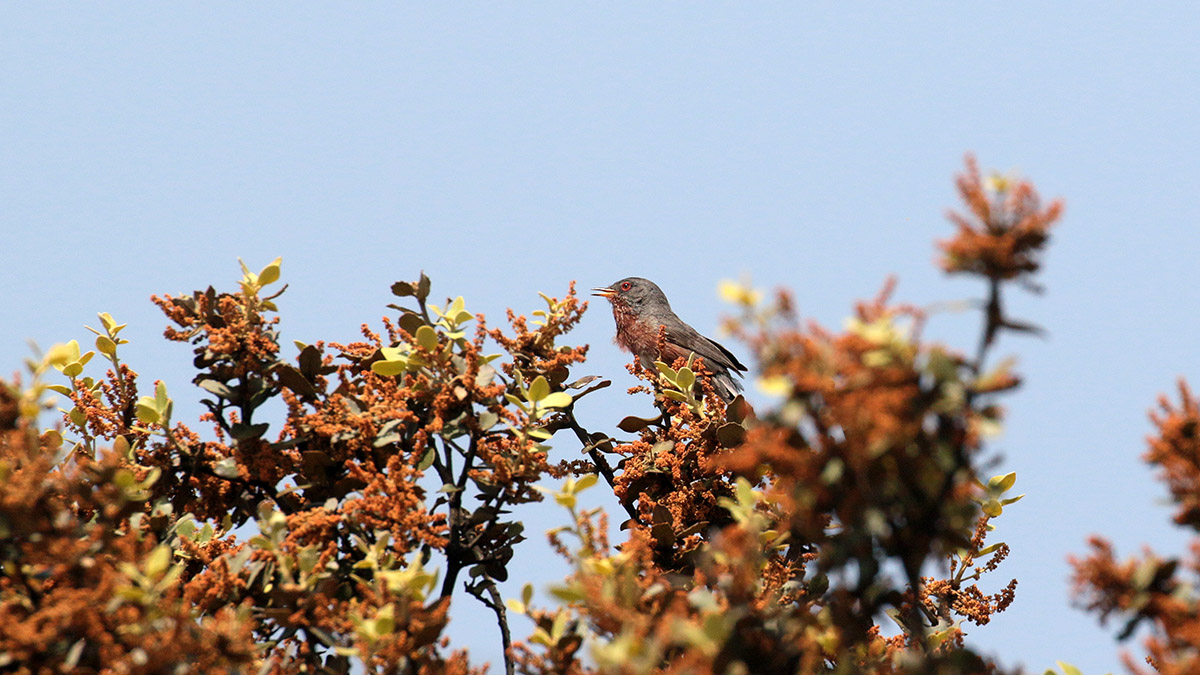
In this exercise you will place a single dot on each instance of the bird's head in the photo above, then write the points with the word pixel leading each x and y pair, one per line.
pixel 634 293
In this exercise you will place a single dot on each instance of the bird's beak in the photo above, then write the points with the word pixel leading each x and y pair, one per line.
pixel 604 292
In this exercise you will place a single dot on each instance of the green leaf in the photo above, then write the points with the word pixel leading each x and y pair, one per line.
pixel 585 482
pixel 515 606
pixel 517 402
pixel 270 273
pixel 685 378
pixel 77 416
pixel 989 549
pixel 1001 484
pixel 147 412
pixel 73 369
pixel 538 389
pixel 389 368
pixel 559 399
pixel 105 345
pixel 527 593
pixel 568 594
pixel 1068 669
pixel 218 388
pixel 158 561
pixel 487 420
pixel 61 354
pixel 427 338
pixel 426 459
pixel 161 401
pixel 665 370
pixel 64 390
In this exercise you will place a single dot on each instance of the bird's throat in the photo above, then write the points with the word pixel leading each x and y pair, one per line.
pixel 635 335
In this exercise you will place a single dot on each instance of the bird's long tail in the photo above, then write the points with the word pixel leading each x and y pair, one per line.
pixel 726 387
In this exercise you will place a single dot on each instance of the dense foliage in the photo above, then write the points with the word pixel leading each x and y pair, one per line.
pixel 842 529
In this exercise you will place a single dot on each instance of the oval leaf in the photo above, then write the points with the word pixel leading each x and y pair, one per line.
pixel 538 389
pixel 270 273
pixel 427 338
pixel 105 345
pixel 559 399
pixel 389 368
pixel 632 424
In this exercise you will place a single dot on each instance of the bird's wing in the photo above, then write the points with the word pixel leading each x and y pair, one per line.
pixel 734 364
pixel 684 338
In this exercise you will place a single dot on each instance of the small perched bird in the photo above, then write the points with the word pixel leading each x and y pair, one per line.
pixel 641 309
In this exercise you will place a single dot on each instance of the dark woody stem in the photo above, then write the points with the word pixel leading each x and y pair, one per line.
pixel 598 459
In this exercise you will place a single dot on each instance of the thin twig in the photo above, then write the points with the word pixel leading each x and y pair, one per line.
pixel 496 604
pixel 598 459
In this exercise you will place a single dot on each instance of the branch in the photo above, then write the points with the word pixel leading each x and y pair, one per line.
pixel 598 459
pixel 454 547
pixel 496 604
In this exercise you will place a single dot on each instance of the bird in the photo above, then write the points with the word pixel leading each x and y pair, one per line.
pixel 641 309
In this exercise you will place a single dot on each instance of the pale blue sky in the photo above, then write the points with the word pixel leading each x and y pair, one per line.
pixel 509 148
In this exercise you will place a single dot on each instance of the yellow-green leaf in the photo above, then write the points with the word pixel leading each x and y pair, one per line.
pixel 538 389
pixel 158 561
pixel 1003 483
pixel 147 413
pixel 427 338
pixel 105 345
pixel 559 399
pixel 389 368
pixel 77 417
pixel 161 401
pixel 685 378
pixel 1068 669
pixel 270 273
pixel 61 354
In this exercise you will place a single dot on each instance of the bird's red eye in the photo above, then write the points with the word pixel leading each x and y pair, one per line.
pixel 626 286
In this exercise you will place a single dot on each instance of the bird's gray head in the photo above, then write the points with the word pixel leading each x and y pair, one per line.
pixel 636 293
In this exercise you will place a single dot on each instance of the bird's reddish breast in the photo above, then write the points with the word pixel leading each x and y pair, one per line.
pixel 633 334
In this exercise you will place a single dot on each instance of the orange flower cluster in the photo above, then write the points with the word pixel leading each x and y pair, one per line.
pixel 1150 589
pixel 1005 230
pixel 83 587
